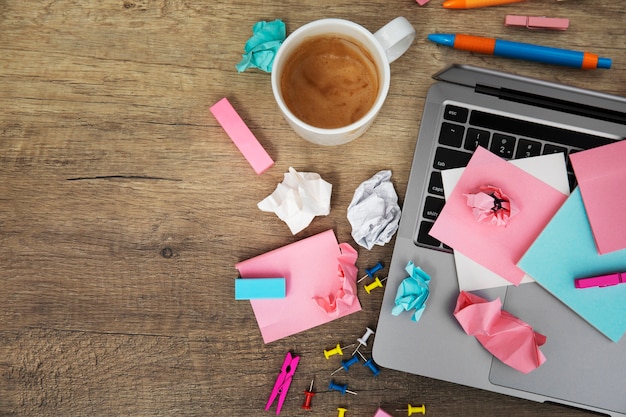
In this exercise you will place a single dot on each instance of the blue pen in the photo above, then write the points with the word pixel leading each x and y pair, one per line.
pixel 529 52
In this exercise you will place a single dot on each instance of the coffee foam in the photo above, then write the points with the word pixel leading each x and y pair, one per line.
pixel 329 81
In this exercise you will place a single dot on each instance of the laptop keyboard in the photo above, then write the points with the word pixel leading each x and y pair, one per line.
pixel 464 129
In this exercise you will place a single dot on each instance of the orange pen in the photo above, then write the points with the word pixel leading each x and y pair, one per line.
pixel 473 4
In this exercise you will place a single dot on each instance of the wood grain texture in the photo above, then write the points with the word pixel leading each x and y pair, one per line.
pixel 124 207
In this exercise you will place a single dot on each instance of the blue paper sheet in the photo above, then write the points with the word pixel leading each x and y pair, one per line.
pixel 566 250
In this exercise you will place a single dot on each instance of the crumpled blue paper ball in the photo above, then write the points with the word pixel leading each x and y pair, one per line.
pixel 413 292
pixel 261 48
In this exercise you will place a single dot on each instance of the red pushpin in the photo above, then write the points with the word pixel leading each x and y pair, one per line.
pixel 308 396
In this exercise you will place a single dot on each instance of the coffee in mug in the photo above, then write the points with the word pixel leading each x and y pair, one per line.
pixel 330 81
pixel 330 77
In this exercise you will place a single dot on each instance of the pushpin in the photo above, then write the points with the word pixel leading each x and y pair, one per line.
pixel 341 412
pixel 371 271
pixel 363 340
pixel 341 388
pixel 335 351
pixel 376 283
pixel 370 364
pixel 421 410
pixel 346 364
pixel 308 396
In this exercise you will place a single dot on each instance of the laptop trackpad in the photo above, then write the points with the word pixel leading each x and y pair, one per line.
pixel 583 366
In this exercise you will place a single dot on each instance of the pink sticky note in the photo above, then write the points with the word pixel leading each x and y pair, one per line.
pixel 241 135
pixel 320 277
pixel 508 338
pixel 601 175
pixel 381 413
pixel 497 248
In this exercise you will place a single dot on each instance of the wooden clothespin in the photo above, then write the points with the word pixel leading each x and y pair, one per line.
pixel 537 22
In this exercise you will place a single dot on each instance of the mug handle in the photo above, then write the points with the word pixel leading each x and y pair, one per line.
pixel 396 37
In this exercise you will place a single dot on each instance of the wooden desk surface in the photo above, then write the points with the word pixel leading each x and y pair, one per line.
pixel 124 206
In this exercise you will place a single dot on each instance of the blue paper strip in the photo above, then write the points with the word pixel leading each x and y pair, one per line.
pixel 259 288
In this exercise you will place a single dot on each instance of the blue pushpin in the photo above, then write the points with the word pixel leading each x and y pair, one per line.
pixel 341 388
pixel 371 271
pixel 370 364
pixel 346 364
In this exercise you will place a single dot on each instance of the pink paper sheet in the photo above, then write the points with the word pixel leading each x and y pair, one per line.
pixel 320 277
pixel 497 248
pixel 381 413
pixel 601 175
pixel 508 338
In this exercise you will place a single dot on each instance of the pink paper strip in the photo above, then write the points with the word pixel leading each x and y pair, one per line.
pixel 241 135
pixel 601 176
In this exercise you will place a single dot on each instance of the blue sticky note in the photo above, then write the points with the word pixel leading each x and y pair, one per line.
pixel 566 250
pixel 258 288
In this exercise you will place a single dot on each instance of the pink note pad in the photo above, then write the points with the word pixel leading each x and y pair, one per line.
pixel 381 413
pixel 241 136
pixel 497 248
pixel 601 175
pixel 310 268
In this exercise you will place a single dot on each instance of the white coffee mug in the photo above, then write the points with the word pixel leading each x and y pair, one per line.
pixel 384 46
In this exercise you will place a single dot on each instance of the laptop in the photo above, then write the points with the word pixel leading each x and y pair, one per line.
pixel 513 117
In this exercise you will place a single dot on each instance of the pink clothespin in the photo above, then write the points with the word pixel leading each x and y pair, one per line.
pixel 283 381
pixel 537 22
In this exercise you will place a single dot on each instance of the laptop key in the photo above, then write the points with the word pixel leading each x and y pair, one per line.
pixel 527 148
pixel 424 238
pixel 450 158
pixel 435 186
pixel 475 138
pixel 455 113
pixel 451 134
pixel 550 148
pixel 432 207
pixel 503 145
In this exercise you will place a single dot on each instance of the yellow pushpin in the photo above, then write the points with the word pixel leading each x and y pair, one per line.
pixel 341 412
pixel 335 351
pixel 415 410
pixel 375 284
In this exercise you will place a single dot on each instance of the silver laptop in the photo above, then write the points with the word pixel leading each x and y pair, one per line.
pixel 513 117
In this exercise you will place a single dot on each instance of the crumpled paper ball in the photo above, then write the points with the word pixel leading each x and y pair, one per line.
pixel 412 292
pixel 374 213
pixel 261 48
pixel 491 205
pixel 335 304
pixel 298 199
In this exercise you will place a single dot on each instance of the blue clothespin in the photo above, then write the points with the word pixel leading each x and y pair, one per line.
pixel 283 381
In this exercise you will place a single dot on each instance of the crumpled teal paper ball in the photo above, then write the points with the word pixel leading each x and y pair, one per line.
pixel 261 48
pixel 413 292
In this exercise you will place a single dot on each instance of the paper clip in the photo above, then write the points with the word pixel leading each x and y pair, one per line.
pixel 414 410
pixel 537 22
pixel 282 382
